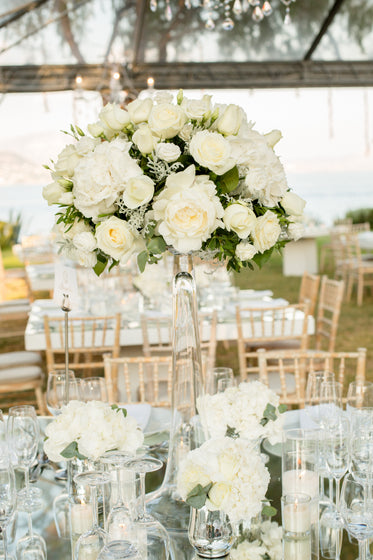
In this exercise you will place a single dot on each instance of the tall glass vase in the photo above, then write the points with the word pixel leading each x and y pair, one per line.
pixel 188 383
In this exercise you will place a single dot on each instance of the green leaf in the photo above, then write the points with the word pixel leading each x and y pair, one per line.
pixel 229 181
pixel 79 131
pixel 197 496
pixel 72 451
pixel 65 183
pixel 142 259
pixel 156 245
pixel 232 433
pixel 282 408
pixel 269 511
pixel 101 264
pixel 270 412
pixel 261 258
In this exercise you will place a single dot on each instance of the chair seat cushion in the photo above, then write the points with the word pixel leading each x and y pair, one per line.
pixel 17 373
pixel 9 308
pixel 21 358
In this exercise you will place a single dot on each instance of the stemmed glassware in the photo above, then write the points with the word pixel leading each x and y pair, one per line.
pixel 357 513
pixel 90 543
pixel 94 389
pixel 150 537
pixel 215 375
pixel 56 390
pixel 359 396
pixel 313 393
pixel 31 546
pixel 23 437
pixel 8 500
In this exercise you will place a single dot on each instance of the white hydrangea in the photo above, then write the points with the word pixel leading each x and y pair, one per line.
pixel 96 428
pixel 241 408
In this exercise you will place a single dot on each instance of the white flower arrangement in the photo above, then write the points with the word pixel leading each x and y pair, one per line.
pixel 251 411
pixel 89 429
pixel 265 545
pixel 224 474
pixel 158 174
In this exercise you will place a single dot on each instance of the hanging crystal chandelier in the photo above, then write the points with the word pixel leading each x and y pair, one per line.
pixel 212 10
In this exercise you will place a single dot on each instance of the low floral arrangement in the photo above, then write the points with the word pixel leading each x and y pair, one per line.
pixel 187 175
pixel 251 411
pixel 264 544
pixel 87 430
pixel 224 474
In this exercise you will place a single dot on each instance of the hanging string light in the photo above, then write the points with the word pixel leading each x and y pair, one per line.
pixel 210 10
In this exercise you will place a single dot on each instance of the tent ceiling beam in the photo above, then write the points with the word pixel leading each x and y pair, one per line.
pixel 190 76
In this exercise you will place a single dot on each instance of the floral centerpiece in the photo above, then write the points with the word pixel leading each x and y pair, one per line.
pixel 250 411
pixel 86 430
pixel 187 175
pixel 224 474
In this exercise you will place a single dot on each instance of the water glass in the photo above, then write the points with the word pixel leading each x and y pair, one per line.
pixel 357 512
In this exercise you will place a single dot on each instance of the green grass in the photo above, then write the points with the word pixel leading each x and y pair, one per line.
pixel 10 260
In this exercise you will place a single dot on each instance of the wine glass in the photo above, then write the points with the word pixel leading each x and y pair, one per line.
pixel 94 389
pixel 23 436
pixel 116 550
pixel 8 499
pixel 357 513
pixel 31 546
pixel 56 390
pixel 359 397
pixel 313 393
pixel 90 543
pixel 330 403
pixel 214 375
pixel 149 536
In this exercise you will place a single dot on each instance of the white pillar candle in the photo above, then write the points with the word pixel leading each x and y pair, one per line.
pixel 81 518
pixel 297 549
pixel 300 481
pixel 296 517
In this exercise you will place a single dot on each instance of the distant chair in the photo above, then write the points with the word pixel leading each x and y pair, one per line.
pixel 309 290
pixel 286 371
pixel 360 271
pixel 328 313
pixel 89 339
pixel 139 379
pixel 265 327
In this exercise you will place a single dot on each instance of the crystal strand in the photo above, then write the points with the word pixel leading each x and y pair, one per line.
pixel 267 9
pixel 237 7
pixel 287 19
pixel 245 6
pixel 210 25
pixel 187 4
pixel 228 22
pixel 168 13
pixel 254 3
pixel 153 5
pixel 257 14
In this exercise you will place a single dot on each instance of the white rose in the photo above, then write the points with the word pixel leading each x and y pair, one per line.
pixel 240 219
pixel 295 230
pixel 115 238
pixel 245 251
pixel 266 232
pixel 96 129
pixel 187 210
pixel 144 139
pixel 217 494
pixel 113 117
pixel 85 258
pixel 186 132
pixel 293 204
pixel 86 145
pixel 167 151
pixel 53 192
pixel 138 191
pixel 273 137
pixel 66 198
pixel 166 120
pixel 212 150
pixel 228 465
pixel 190 476
pixel 85 241
pixel 139 110
pixel 196 109
pixel 266 179
pixel 67 160
pixel 230 121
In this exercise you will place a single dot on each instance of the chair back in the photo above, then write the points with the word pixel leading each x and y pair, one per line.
pixel 309 290
pixel 328 312
pixel 286 371
pixel 89 339
pixel 139 379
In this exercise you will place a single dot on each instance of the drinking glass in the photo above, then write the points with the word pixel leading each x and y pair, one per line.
pixel 313 393
pixel 362 444
pixel 23 436
pixel 118 550
pixel 224 384
pixel 90 543
pixel 359 396
pixel 94 389
pixel 330 403
pixel 148 535
pixel 213 377
pixel 357 513
pixel 8 500
pixel 31 546
pixel 56 390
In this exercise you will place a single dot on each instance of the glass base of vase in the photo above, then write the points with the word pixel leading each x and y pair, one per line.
pixel 173 513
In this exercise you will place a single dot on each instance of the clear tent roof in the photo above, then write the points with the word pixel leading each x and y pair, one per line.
pixel 101 33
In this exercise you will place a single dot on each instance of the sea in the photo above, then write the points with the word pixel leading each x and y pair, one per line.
pixel 329 196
